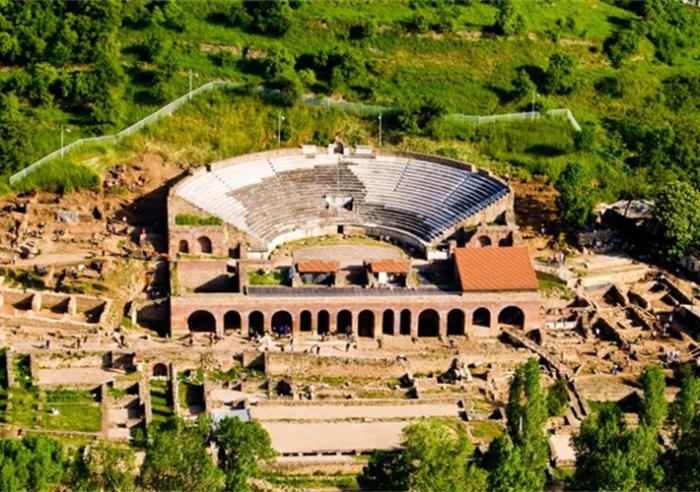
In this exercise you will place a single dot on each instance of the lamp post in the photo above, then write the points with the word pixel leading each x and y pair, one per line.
pixel 63 130
pixel 189 94
pixel 280 119
pixel 380 129
pixel 534 96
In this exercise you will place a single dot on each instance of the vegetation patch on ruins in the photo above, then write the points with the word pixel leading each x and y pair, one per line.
pixel 191 219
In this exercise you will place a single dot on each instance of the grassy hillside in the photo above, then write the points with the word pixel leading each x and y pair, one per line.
pixel 423 58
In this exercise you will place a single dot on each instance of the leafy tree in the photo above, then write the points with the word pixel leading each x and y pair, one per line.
pixel 609 456
pixel 557 398
pixel 278 62
pixel 177 458
pixel 366 29
pixel 103 467
pixel 433 458
pixel 575 201
pixel 32 463
pixel 675 220
pixel 43 77
pixel 559 77
pixel 507 467
pixel 273 17
pixel 385 470
pixel 682 459
pixel 685 406
pixel 241 446
pixel 419 115
pixel 682 91
pixel 654 407
pixel 621 46
pixel 523 86
pixel 14 128
pixel 518 461
pixel 508 21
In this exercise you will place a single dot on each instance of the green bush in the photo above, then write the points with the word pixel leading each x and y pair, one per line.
pixel 190 219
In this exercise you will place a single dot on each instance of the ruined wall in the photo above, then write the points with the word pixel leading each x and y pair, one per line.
pixel 204 276
pixel 302 365
pixel 219 304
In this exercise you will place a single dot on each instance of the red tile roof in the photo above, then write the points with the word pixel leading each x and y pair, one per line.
pixel 390 266
pixel 316 266
pixel 492 269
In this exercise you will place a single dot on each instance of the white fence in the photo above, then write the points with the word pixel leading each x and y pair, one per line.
pixel 364 109
pixel 526 115
pixel 164 111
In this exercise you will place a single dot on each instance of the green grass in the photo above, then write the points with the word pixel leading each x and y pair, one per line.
pixel 550 283
pixel 60 176
pixel 160 405
pixel 261 277
pixel 316 480
pixel 189 219
pixel 486 431
pixel 78 410
pixel 22 278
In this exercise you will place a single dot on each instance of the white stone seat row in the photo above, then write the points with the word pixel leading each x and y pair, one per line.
pixel 266 197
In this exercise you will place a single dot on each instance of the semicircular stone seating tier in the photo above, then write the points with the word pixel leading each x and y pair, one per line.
pixel 267 197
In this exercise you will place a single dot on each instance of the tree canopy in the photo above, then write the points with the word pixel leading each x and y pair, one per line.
pixel 433 458
pixel 675 221
pixel 241 445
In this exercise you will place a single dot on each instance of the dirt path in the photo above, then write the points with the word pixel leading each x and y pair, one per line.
pixel 334 437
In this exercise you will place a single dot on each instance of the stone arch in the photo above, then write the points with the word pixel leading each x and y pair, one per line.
pixel 324 322
pixel 484 241
pixel 280 319
pixel 160 370
pixel 201 321
pixel 344 324
pixel 365 324
pixel 506 241
pixel 481 317
pixel 256 323
pixel 232 320
pixel 305 321
pixel 456 322
pixel 513 316
pixel 204 245
pixel 428 323
pixel 388 322
pixel 183 246
pixel 405 322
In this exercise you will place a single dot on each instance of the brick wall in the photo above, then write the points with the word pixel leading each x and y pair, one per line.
pixel 220 304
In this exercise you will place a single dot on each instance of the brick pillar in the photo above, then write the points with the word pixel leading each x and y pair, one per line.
pixel 397 323
pixel 219 328
pixel 314 323
pixel 36 302
pixel 245 324
pixel 296 326
pixel 493 328
pixel 414 323
pixel 378 324
pixel 442 326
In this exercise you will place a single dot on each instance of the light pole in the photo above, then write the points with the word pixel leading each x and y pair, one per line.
pixel 280 119
pixel 189 94
pixel 534 96
pixel 380 129
pixel 63 130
